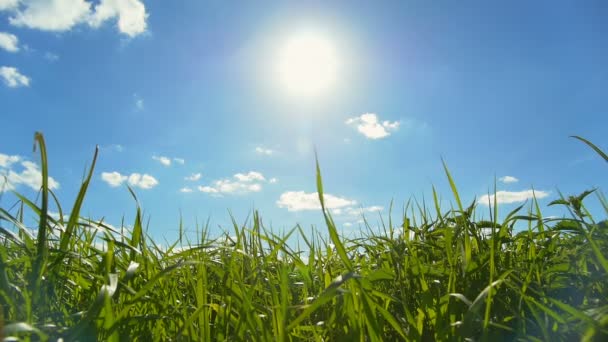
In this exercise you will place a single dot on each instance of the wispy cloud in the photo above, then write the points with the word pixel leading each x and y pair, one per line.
pixel 300 200
pixel 371 127
pixel 29 174
pixel 8 4
pixel 185 190
pixel 508 179
pixel 166 161
pixel 194 177
pixel 9 42
pixel 240 183
pixel 139 102
pixel 356 212
pixel 63 15
pixel 264 151
pixel 51 57
pixel 142 181
pixel 249 176
pixel 512 196
pixel 7 161
pixel 13 78
pixel 112 147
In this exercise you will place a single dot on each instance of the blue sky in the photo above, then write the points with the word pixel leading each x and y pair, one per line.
pixel 212 91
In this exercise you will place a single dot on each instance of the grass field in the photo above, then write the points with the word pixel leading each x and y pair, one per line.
pixel 436 274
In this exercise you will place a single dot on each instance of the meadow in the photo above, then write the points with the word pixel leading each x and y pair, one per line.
pixel 437 274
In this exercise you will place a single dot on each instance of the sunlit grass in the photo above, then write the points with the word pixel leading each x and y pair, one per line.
pixel 437 274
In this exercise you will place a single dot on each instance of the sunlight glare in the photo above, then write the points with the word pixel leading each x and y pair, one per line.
pixel 308 64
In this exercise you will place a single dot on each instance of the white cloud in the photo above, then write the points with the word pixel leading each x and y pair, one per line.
pixel 139 102
pixel 138 180
pixel 144 181
pixel 51 57
pixel 113 179
pixel 512 196
pixel 508 179
pixel 194 177
pixel 113 147
pixel 166 161
pixel 131 15
pixel 250 176
pixel 50 15
pixel 7 161
pixel 63 15
pixel 208 189
pixel 13 78
pixel 355 212
pixel 185 190
pixel 8 4
pixel 300 200
pixel 30 175
pixel 264 151
pixel 369 125
pixel 9 42
pixel 347 224
pixel 272 180
pixel 239 184
pixel 372 209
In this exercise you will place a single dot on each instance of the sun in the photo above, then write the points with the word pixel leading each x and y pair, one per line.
pixel 308 64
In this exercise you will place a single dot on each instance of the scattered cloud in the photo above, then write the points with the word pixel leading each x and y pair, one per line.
pixel 370 126
pixel 51 57
pixel 29 175
pixel 7 161
pixel 508 179
pixel 239 184
pixel 13 78
pixel 63 15
pixel 113 179
pixel 113 147
pixel 53 15
pixel 208 189
pixel 264 151
pixel 139 102
pixel 194 177
pixel 9 42
pixel 347 224
pixel 185 190
pixel 356 212
pixel 131 15
pixel 166 161
pixel 512 196
pixel 250 176
pixel 272 180
pixel 300 200
pixel 8 4
pixel 142 181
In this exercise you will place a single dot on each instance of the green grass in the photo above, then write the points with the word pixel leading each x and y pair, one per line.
pixel 437 274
